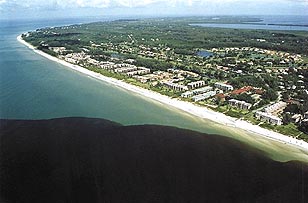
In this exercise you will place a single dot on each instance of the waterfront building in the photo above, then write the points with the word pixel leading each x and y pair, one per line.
pixel 193 85
pixel 277 107
pixel 139 71
pixel 202 90
pixel 125 69
pixel 203 96
pixel 223 86
pixel 187 94
pixel 268 117
pixel 175 86
pixel 196 91
pixel 239 104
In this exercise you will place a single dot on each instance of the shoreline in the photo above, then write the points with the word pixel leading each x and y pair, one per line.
pixel 188 107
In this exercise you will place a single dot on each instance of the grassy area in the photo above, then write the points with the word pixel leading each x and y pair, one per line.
pixel 233 112
pixel 290 130
pixel 250 117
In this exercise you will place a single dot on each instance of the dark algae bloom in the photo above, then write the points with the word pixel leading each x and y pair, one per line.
pixel 95 160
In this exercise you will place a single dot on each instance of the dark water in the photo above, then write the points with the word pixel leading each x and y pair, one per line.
pixel 94 160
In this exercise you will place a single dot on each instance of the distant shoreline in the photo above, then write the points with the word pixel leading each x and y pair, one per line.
pixel 198 111
pixel 254 26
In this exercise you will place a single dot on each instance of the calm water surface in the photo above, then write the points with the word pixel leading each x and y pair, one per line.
pixel 299 23
pixel 252 26
pixel 32 87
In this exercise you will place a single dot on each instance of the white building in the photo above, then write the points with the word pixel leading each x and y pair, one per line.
pixel 268 117
pixel 176 86
pixel 202 90
pixel 139 71
pixel 187 94
pixel 203 96
pixel 196 91
pixel 240 104
pixel 193 85
pixel 223 86
pixel 279 106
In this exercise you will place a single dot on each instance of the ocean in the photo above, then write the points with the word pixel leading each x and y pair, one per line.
pixel 32 87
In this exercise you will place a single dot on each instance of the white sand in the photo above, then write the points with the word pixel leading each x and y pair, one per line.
pixel 191 108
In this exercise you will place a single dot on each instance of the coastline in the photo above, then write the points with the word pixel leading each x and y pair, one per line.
pixel 198 111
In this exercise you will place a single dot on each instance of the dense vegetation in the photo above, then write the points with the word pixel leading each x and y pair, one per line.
pixel 175 33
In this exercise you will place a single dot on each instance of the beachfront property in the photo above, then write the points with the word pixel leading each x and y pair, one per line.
pixel 145 78
pixel 202 90
pixel 196 91
pixel 270 113
pixel 187 94
pixel 197 84
pixel 239 104
pixel 139 71
pixel 203 96
pixel 126 69
pixel 276 108
pixel 224 87
pixel 107 65
pixel 76 57
pixel 264 116
pixel 175 86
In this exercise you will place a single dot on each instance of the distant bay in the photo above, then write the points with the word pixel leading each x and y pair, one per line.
pixel 32 87
pixel 253 26
pixel 291 23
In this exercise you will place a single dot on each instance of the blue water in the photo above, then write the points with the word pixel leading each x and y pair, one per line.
pixel 284 19
pixel 33 87
pixel 204 53
pixel 299 23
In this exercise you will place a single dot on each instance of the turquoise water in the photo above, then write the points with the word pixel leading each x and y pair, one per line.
pixel 33 87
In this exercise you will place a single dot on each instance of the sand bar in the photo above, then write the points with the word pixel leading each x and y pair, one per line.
pixel 201 112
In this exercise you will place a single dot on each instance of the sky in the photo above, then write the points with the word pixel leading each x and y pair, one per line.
pixel 74 8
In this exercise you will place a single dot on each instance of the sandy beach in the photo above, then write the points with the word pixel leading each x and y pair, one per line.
pixel 201 112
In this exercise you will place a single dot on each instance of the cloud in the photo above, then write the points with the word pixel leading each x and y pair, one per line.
pixel 205 5
pixel 125 3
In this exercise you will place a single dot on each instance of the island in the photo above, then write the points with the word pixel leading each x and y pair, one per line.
pixel 256 80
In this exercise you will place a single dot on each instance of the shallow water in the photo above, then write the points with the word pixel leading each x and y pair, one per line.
pixel 33 87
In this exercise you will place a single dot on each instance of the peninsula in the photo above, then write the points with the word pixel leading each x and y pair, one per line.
pixel 252 80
